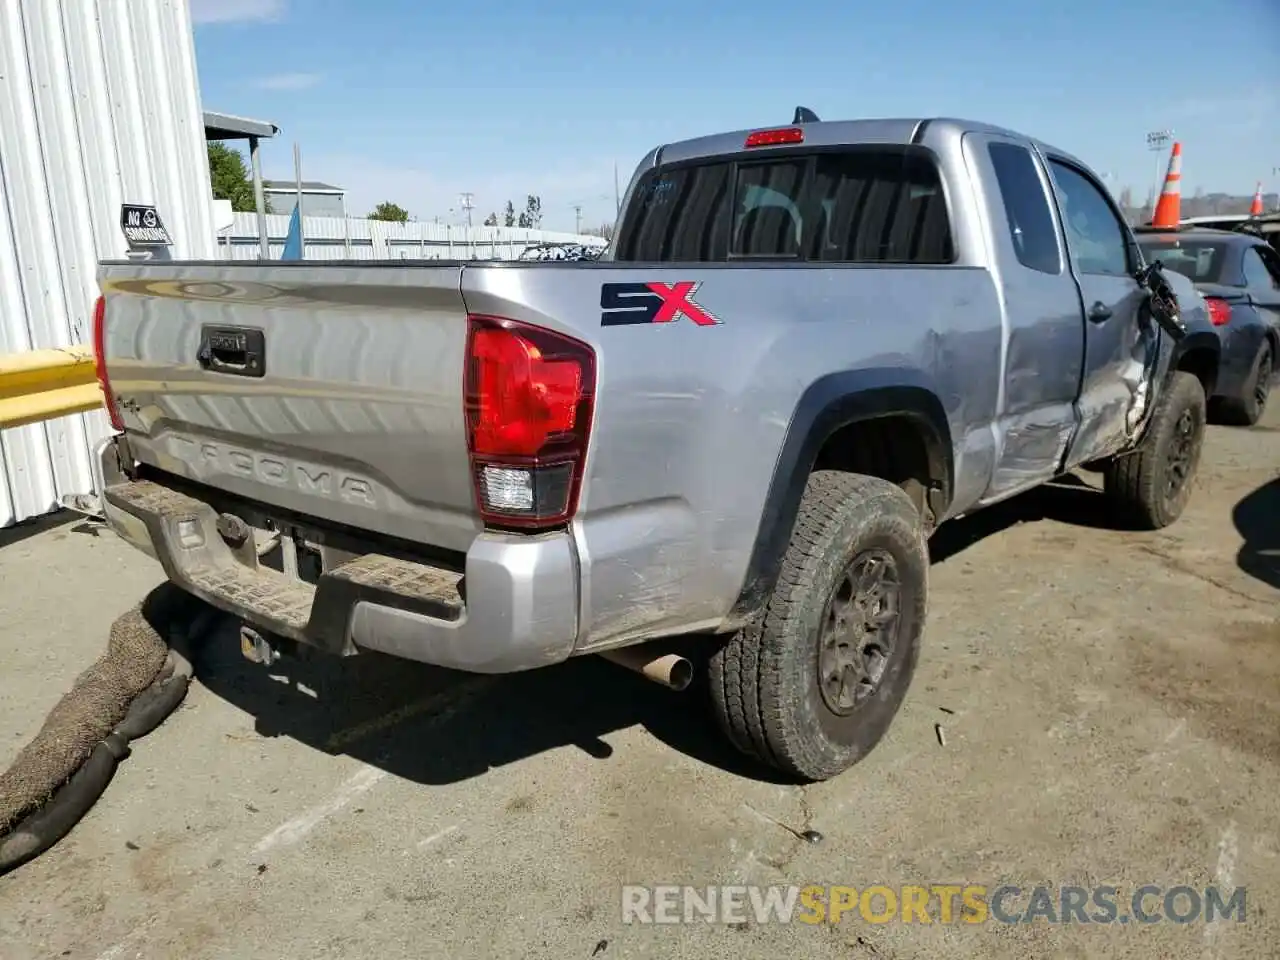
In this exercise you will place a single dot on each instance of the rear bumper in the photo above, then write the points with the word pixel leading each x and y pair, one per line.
pixel 514 608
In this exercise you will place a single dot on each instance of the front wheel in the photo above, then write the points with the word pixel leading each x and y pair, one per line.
pixel 1152 484
pixel 814 686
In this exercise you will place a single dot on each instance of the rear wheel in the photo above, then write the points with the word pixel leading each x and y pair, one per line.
pixel 814 686
pixel 1153 483
pixel 1248 410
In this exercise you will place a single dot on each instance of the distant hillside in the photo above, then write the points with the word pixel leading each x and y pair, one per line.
pixel 1202 205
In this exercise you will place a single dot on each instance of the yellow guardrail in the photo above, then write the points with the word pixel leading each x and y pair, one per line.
pixel 43 384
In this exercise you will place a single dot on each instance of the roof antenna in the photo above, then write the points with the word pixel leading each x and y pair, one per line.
pixel 805 115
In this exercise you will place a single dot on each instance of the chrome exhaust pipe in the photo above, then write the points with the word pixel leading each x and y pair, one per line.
pixel 669 669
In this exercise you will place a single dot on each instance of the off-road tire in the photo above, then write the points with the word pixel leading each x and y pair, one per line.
pixel 1140 482
pixel 764 680
pixel 1248 410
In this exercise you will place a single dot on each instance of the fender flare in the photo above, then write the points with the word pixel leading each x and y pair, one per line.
pixel 828 404
pixel 1200 341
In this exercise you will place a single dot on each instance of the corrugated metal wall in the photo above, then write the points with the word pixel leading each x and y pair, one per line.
pixel 99 105
pixel 328 238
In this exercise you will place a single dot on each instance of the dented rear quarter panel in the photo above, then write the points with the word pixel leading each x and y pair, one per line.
pixel 690 418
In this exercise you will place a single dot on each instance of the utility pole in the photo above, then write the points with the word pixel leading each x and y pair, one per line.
pixel 1157 141
pixel 577 218
pixel 467 201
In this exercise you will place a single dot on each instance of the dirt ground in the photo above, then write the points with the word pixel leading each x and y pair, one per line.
pixel 1109 702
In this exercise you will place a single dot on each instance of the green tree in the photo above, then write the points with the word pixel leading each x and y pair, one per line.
pixel 509 217
pixel 390 212
pixel 533 208
pixel 230 178
pixel 491 220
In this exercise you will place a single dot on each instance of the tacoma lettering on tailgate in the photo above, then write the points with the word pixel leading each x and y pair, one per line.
pixel 207 458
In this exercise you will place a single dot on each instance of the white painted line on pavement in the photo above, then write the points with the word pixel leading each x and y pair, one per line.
pixel 291 831
pixel 423 844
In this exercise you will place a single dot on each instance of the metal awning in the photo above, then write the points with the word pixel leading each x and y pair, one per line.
pixel 226 126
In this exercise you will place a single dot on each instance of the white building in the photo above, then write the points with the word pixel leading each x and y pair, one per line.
pixel 99 106
pixel 318 199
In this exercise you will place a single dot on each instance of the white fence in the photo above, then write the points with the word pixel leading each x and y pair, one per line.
pixel 332 238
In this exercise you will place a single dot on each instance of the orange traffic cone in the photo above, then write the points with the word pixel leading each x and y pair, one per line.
pixel 1255 208
pixel 1169 208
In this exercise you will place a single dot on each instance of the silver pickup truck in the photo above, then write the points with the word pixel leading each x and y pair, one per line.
pixel 807 347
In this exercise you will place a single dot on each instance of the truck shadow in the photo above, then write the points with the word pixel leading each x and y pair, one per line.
pixel 435 726
pixel 1257 520
pixel 26 529
pixel 1069 500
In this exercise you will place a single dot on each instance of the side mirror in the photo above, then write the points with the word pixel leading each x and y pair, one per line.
pixel 1161 299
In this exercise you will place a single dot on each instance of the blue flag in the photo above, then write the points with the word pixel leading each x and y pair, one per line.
pixel 293 242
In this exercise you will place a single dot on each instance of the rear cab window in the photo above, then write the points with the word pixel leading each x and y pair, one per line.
pixel 1026 208
pixel 849 205
pixel 1200 261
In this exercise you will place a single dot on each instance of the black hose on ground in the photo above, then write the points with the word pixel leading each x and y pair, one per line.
pixel 184 619
pixel 49 824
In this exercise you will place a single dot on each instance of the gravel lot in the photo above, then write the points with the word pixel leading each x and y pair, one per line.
pixel 1112 716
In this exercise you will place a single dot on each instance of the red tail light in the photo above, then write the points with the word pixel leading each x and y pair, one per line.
pixel 772 138
pixel 1219 311
pixel 100 362
pixel 530 396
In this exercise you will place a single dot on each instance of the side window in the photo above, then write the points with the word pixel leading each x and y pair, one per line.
pixel 678 214
pixel 1260 270
pixel 1094 232
pixel 768 221
pixel 879 206
pixel 1256 276
pixel 1026 208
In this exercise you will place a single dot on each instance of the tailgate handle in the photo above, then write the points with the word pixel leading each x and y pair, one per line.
pixel 239 351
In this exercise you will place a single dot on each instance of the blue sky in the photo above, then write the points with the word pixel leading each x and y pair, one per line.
pixel 416 101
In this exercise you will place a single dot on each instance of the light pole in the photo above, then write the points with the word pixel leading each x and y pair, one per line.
pixel 577 206
pixel 1157 140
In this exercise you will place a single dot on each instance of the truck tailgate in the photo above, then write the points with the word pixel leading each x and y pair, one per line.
pixel 331 391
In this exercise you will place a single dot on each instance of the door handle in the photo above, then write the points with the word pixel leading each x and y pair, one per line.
pixel 1099 312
